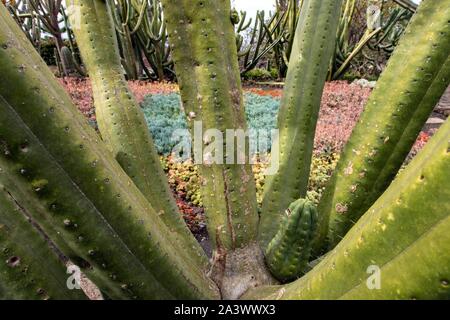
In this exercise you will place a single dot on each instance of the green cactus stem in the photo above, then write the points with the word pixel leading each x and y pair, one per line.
pixel 120 119
pixel 205 56
pixel 265 36
pixel 405 95
pixel 67 60
pixel 287 255
pixel 24 250
pixel 65 216
pixel 308 66
pixel 404 236
pixel 48 139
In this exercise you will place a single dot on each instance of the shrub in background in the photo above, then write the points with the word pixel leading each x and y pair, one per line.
pixel 258 74
pixel 164 115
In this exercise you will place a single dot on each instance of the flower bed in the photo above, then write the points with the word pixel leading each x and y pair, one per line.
pixel 342 104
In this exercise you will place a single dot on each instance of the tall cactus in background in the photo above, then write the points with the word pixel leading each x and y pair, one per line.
pixel 123 13
pixel 40 18
pixel 48 12
pixel 379 34
pixel 65 195
pixel 262 40
pixel 282 51
pixel 394 116
pixel 142 35
pixel 151 37
pixel 299 110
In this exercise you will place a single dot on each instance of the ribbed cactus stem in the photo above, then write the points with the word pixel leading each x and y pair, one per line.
pixel 120 119
pixel 204 52
pixel 399 249
pixel 65 216
pixel 24 251
pixel 308 66
pixel 67 60
pixel 405 95
pixel 287 255
pixel 90 191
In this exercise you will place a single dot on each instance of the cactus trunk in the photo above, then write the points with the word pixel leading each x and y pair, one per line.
pixel 205 56
pixel 405 95
pixel 308 66
pixel 204 52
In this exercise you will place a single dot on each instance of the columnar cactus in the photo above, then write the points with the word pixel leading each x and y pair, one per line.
pixel 308 66
pixel 142 33
pixel 404 97
pixel 287 255
pixel 120 119
pixel 204 52
pixel 265 35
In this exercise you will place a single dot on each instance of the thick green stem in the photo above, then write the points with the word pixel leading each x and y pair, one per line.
pixel 43 119
pixel 24 251
pixel 400 249
pixel 308 66
pixel 414 80
pixel 120 119
pixel 204 51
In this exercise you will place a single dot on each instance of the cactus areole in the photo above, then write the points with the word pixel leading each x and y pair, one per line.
pixel 98 202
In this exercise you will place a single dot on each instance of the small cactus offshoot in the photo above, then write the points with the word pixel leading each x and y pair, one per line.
pixel 287 255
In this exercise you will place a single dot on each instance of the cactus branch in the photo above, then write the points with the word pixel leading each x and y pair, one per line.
pixel 25 249
pixel 395 105
pixel 288 253
pixel 308 66
pixel 204 50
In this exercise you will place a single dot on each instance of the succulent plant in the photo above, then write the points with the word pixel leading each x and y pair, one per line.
pixel 288 253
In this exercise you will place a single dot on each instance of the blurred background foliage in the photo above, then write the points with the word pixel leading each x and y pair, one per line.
pixel 368 32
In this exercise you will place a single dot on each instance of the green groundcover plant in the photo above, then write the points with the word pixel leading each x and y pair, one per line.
pixel 164 115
